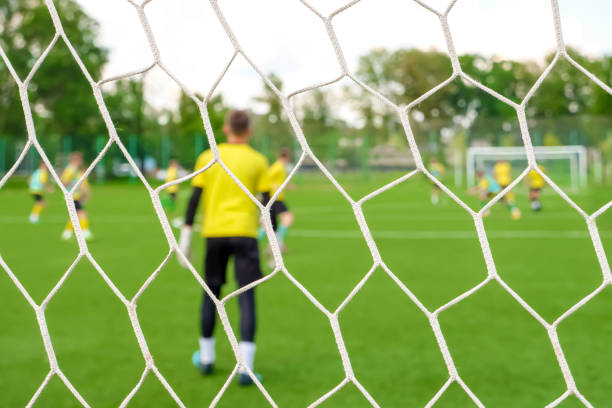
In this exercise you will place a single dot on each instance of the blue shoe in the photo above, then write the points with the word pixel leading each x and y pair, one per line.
pixel 245 380
pixel 205 369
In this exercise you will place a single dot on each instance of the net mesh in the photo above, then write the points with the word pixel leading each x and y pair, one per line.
pixel 150 367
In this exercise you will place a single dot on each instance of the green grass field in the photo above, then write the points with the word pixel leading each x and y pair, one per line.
pixel 502 353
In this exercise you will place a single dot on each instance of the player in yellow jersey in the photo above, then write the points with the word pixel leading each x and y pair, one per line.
pixel 277 173
pixel 229 226
pixel 171 175
pixel 486 188
pixel 536 183
pixel 38 182
pixel 70 176
pixel 437 170
pixel 170 202
pixel 502 172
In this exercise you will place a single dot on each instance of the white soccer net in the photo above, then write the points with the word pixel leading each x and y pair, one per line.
pixel 402 112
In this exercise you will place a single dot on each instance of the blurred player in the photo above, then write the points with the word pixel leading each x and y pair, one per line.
pixel 487 188
pixel 536 183
pixel 37 183
pixel 170 202
pixel 502 171
pixel 277 173
pixel 229 226
pixel 437 170
pixel 71 175
pixel 171 175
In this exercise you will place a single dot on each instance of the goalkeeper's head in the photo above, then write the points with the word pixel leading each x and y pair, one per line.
pixel 284 155
pixel 237 126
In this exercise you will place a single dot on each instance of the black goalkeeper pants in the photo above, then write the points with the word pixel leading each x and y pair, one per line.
pixel 246 268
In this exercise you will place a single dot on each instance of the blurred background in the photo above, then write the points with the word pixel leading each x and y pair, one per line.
pixel 396 47
pixel 347 128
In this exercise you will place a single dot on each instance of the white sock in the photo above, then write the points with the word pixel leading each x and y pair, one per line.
pixel 247 351
pixel 207 350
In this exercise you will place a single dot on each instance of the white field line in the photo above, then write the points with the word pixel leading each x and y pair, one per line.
pixel 457 234
pixel 370 206
pixel 425 216
pixel 446 217
pixel 55 219
pixel 355 234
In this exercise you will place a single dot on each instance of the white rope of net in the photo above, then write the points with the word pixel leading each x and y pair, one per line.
pixel 333 316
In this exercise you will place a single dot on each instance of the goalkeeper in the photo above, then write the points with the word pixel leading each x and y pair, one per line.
pixel 229 226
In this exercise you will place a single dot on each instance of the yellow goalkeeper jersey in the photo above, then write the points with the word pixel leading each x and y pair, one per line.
pixel 228 211
pixel 503 173
pixel 535 179
pixel 276 176
pixel 171 175
pixel 70 176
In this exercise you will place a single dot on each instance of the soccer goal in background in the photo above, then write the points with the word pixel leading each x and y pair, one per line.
pixel 567 164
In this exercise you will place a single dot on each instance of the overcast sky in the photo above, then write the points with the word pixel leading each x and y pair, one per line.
pixel 284 37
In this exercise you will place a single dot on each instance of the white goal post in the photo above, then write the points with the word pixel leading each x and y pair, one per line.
pixel 476 157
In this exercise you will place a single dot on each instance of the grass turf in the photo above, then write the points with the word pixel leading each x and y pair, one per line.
pixel 502 353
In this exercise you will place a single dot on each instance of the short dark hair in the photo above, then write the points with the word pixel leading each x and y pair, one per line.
pixel 284 153
pixel 238 122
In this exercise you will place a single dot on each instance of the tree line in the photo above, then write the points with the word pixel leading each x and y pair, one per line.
pixel 567 108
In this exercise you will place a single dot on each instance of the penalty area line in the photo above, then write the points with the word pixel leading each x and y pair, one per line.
pixel 457 234
pixel 351 234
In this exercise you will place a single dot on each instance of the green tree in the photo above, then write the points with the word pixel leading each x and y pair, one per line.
pixel 406 74
pixel 571 105
pixel 272 130
pixel 185 124
pixel 128 108
pixel 62 99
